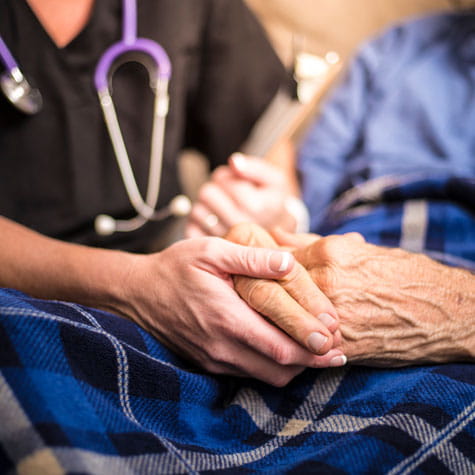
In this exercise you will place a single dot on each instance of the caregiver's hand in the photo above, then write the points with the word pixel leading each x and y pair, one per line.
pixel 185 297
pixel 248 190
pixel 396 308
pixel 292 302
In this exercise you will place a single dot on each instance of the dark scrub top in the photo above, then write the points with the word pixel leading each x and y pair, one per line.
pixel 58 170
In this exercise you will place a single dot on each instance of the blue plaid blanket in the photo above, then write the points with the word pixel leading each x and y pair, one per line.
pixel 83 391
pixel 434 215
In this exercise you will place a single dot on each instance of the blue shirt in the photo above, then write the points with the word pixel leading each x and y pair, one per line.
pixel 406 106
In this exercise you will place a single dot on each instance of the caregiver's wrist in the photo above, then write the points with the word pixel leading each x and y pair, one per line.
pixel 115 283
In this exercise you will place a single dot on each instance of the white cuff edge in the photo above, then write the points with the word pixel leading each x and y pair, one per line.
pixel 296 207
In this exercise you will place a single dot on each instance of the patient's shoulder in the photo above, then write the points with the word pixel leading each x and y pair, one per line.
pixel 404 42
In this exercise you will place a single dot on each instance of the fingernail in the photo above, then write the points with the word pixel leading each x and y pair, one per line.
pixel 316 341
pixel 326 319
pixel 339 361
pixel 280 261
pixel 239 160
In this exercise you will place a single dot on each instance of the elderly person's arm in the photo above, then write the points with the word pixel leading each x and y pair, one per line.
pixel 395 308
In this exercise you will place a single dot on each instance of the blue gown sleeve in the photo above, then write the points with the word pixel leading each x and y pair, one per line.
pixel 336 133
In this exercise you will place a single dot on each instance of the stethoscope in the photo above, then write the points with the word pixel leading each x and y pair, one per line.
pixel 28 100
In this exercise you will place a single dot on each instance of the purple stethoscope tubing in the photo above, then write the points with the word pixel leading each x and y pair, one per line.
pixel 6 57
pixel 28 99
pixel 130 43
pixel 159 78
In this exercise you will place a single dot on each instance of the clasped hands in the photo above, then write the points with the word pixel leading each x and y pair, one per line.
pixel 383 306
pixel 335 296
pixel 344 298
pixel 248 189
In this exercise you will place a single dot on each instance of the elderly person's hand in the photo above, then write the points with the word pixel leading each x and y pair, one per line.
pixel 292 302
pixel 396 308
pixel 249 189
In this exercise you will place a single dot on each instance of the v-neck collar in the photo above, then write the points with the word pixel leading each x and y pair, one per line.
pixel 102 29
pixel 77 38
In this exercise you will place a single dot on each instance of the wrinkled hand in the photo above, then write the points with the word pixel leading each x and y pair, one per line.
pixel 185 297
pixel 293 302
pixel 396 308
pixel 248 190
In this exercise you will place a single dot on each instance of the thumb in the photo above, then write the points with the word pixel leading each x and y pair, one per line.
pixel 255 170
pixel 253 261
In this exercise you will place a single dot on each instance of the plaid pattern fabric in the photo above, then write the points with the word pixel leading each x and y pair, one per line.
pixel 434 215
pixel 83 391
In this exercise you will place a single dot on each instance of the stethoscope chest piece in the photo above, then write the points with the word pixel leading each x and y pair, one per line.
pixel 15 87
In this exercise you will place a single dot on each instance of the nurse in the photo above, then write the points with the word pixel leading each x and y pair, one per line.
pixel 59 172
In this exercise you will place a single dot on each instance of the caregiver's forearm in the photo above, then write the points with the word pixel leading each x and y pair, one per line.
pixel 48 268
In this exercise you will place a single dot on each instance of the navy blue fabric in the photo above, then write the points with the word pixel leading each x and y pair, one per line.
pixel 83 391
pixel 77 398
pixel 405 107
pixel 444 226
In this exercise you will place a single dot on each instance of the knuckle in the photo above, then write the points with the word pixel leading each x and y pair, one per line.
pixel 281 379
pixel 295 276
pixel 261 294
pixel 306 301
pixel 212 367
pixel 249 258
pixel 241 233
pixel 195 213
pixel 211 246
pixel 206 192
pixel 221 172
pixel 281 355
pixel 330 246
pixel 355 237
pixel 218 354
pixel 326 280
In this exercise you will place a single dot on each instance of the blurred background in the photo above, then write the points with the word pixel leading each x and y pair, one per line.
pixel 334 25
pixel 316 27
